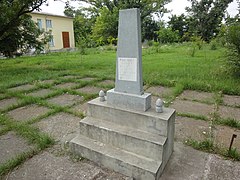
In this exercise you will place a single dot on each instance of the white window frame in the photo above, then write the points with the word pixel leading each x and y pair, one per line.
pixel 48 23
pixel 39 23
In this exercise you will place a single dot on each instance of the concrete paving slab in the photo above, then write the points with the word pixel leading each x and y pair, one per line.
pixel 65 100
pixel 231 100
pixel 89 90
pixel 70 77
pixel 229 112
pixel 159 91
pixel 47 166
pixel 218 168
pixel 25 87
pixel 88 79
pixel 80 108
pixel 48 81
pixel 188 164
pixel 28 112
pixel 41 93
pixel 190 107
pixel 11 145
pixel 223 136
pixel 185 164
pixel 4 103
pixel 107 83
pixel 60 125
pixel 186 128
pixel 68 85
pixel 197 96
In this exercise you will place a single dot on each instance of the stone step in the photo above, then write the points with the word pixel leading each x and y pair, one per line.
pixel 149 121
pixel 143 143
pixel 121 161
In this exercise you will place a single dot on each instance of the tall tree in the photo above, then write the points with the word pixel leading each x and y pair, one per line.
pixel 12 12
pixel 16 25
pixel 179 23
pixel 107 15
pixel 207 16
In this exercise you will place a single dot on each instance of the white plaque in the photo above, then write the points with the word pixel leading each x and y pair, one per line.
pixel 127 69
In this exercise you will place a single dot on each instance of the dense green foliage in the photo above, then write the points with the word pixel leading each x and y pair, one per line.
pixel 233 56
pixel 206 17
pixel 17 31
pixel 104 17
pixel 167 35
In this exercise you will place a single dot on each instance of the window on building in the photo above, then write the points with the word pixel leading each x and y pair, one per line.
pixel 39 23
pixel 48 23
pixel 51 41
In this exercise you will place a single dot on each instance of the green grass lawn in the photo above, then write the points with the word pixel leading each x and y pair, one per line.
pixel 172 66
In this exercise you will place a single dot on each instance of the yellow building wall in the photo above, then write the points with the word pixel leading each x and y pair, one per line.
pixel 59 24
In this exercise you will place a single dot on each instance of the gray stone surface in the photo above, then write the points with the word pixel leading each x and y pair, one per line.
pixel 68 85
pixel 28 112
pixel 135 143
pixel 25 87
pixel 229 112
pixel 108 83
pixel 218 168
pixel 130 139
pixel 80 108
pixel 223 136
pixel 60 125
pixel 154 99
pixel 4 103
pixel 11 145
pixel 129 101
pixel 197 96
pixel 48 81
pixel 159 91
pixel 88 79
pixel 186 128
pixel 148 121
pixel 185 164
pixel 46 166
pixel 40 93
pixel 89 90
pixel 70 77
pixel 231 100
pixel 194 108
pixel 129 53
pixel 188 164
pixel 65 100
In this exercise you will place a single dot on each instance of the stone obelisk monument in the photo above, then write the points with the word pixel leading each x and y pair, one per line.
pixel 128 91
pixel 121 131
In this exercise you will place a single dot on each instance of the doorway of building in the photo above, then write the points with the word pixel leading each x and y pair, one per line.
pixel 65 37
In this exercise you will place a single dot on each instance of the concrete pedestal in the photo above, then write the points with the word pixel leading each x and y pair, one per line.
pixel 135 143
pixel 129 101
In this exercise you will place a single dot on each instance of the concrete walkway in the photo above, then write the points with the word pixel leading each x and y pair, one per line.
pixel 56 162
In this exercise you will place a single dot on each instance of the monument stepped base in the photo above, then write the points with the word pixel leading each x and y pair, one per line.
pixel 135 143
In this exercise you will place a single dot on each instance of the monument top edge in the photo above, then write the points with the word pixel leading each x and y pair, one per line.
pixel 130 9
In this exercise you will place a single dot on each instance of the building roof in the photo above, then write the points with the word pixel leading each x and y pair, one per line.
pixel 49 14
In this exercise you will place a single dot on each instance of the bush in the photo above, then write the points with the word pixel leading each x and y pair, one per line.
pixel 233 55
pixel 213 44
pixel 167 35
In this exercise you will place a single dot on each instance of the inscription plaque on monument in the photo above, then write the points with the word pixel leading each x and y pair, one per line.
pixel 127 69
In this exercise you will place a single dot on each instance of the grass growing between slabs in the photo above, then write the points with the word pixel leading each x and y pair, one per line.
pixel 171 66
